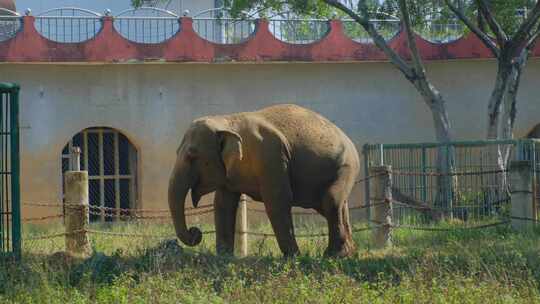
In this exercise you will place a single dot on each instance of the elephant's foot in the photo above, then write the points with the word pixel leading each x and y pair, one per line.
pixel 224 250
pixel 346 249
pixel 291 253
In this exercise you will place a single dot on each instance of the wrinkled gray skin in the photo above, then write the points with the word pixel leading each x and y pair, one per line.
pixel 282 155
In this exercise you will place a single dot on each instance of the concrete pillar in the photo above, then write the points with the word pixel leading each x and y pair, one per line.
pixel 77 216
pixel 240 239
pixel 381 202
pixel 521 189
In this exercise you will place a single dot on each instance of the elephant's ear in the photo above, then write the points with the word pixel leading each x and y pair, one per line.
pixel 231 149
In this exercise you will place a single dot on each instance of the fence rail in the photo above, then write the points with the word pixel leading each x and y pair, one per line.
pixel 388 29
pixel 10 24
pixel 68 24
pixel 465 177
pixel 299 31
pixel 151 25
pixel 147 25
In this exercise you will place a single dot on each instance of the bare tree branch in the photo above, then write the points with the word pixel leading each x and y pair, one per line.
pixel 488 42
pixel 379 41
pixel 411 39
pixel 533 39
pixel 524 32
pixel 493 24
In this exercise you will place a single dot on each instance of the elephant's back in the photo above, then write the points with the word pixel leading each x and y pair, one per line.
pixel 310 134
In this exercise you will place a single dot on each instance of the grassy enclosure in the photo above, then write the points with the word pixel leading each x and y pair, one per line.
pixel 492 265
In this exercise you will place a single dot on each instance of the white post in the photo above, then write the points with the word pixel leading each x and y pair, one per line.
pixel 75 159
pixel 240 239
pixel 521 189
pixel 381 202
pixel 76 200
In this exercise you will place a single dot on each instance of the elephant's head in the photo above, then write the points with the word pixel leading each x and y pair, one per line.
pixel 208 151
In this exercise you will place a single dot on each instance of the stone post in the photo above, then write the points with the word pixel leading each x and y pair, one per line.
pixel 521 189
pixel 76 206
pixel 381 202
pixel 240 239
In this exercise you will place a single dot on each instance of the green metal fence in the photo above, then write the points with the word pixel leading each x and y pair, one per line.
pixel 10 212
pixel 478 195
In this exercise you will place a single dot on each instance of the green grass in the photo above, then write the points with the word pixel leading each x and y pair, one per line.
pixel 494 265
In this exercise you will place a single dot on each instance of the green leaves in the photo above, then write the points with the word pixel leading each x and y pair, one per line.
pixel 509 13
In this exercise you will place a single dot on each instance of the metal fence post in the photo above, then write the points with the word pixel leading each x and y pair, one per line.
pixel 521 188
pixel 77 215
pixel 240 239
pixel 365 155
pixel 424 176
pixel 381 202
pixel 15 171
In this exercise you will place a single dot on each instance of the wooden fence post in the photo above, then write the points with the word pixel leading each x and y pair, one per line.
pixel 381 202
pixel 240 239
pixel 521 189
pixel 76 208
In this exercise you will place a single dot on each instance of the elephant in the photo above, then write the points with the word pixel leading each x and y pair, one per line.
pixel 282 155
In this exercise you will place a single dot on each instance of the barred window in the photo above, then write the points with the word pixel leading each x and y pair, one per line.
pixel 111 162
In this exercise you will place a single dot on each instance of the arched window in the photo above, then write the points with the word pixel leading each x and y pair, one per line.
pixel 111 162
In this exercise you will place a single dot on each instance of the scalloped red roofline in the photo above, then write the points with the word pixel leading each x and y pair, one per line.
pixel 186 46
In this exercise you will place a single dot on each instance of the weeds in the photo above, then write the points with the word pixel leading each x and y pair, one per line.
pixel 494 265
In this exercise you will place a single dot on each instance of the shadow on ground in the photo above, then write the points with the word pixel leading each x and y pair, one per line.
pixel 460 253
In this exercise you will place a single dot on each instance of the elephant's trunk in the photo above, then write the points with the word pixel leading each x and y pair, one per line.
pixel 179 185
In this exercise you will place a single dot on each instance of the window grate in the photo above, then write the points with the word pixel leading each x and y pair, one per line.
pixel 111 161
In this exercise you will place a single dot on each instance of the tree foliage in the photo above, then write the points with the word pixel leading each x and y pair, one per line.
pixel 508 12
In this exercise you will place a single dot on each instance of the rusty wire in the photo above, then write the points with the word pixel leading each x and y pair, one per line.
pixel 68 205
pixel 42 218
pixel 464 173
pixel 438 229
pixel 315 213
pixel 524 219
pixel 365 179
pixel 52 236
pixel 133 214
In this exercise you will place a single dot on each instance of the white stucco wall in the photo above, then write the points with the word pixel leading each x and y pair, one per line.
pixel 153 104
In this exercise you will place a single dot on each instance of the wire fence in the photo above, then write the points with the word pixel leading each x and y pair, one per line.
pixel 161 215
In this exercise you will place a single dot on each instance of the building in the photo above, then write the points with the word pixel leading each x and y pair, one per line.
pixel 125 92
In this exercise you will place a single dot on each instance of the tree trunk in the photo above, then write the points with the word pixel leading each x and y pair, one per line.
pixel 495 102
pixel 510 98
pixel 446 184
pixel 502 115
pixel 510 110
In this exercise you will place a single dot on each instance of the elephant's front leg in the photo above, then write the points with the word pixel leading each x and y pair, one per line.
pixel 277 202
pixel 225 206
pixel 281 219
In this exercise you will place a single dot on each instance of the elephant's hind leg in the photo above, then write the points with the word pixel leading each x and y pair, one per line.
pixel 335 208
